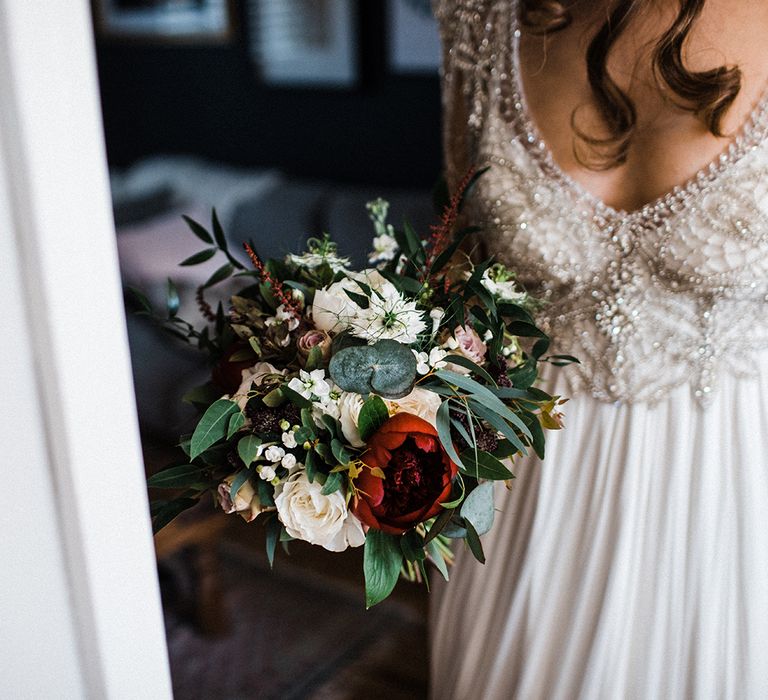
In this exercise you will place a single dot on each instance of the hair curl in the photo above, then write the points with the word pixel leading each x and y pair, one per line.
pixel 707 94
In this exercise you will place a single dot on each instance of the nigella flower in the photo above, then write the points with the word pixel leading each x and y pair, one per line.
pixel 389 316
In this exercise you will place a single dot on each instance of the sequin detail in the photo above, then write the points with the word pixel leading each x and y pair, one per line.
pixel 674 293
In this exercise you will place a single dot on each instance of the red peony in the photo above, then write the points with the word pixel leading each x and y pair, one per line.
pixel 227 374
pixel 417 475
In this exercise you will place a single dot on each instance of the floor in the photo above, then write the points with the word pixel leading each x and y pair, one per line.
pixel 299 631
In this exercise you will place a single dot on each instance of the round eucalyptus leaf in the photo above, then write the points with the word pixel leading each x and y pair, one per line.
pixel 478 507
pixel 387 368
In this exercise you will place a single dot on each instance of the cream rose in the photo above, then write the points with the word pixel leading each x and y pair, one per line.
pixel 254 375
pixel 246 501
pixel 349 413
pixel 310 516
pixel 332 308
pixel 420 402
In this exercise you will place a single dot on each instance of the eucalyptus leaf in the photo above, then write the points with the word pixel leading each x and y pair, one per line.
pixel 387 368
pixel 382 559
pixel 332 484
pixel 273 530
pixel 436 556
pixel 221 274
pixel 212 426
pixel 478 507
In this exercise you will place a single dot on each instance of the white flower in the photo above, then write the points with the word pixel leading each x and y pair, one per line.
pixel 308 383
pixel 332 308
pixel 504 289
pixel 283 315
pixel 313 260
pixel 420 402
pixel 274 453
pixel 289 461
pixel 437 314
pixel 310 516
pixel 426 363
pixel 266 472
pixel 246 502
pixel 349 412
pixel 384 249
pixel 289 439
pixel 254 376
pixel 389 316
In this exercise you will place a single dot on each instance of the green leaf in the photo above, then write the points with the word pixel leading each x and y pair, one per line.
pixel 477 369
pixel 497 422
pixel 212 426
pixel 540 347
pixel 444 432
pixel 274 398
pixel 485 466
pixel 248 449
pixel 295 397
pixel 485 396
pixel 412 546
pixel 382 560
pixel 475 546
pixel 200 257
pixel 373 415
pixel 340 452
pixel 139 298
pixel 314 359
pixel 438 524
pixel 332 483
pixel 360 299
pixel 236 422
pixel 273 530
pixel 171 298
pixel 218 232
pixel 471 186
pixel 478 508
pixel 437 558
pixel 221 274
pixel 387 368
pixel 180 476
pixel 525 330
pixel 238 482
pixel 198 230
pixel 167 511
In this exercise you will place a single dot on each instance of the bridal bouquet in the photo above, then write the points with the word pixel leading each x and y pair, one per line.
pixel 370 407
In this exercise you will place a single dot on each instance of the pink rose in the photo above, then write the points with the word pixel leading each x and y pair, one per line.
pixel 468 343
pixel 315 339
pixel 246 503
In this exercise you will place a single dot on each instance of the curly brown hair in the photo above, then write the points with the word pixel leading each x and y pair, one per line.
pixel 707 94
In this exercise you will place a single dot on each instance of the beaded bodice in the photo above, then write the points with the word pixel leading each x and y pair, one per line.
pixel 674 293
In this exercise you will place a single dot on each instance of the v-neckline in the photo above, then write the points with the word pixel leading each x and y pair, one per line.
pixel 752 133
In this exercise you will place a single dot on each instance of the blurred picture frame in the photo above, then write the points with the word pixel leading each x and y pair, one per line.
pixel 304 43
pixel 413 38
pixel 164 21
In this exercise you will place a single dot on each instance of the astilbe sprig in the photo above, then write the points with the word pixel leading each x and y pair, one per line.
pixel 277 287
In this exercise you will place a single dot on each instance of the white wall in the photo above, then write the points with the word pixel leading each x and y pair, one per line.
pixel 79 606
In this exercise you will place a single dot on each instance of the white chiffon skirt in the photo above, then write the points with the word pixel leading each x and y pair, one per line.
pixel 632 564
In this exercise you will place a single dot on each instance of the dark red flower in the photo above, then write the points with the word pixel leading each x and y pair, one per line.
pixel 227 374
pixel 417 475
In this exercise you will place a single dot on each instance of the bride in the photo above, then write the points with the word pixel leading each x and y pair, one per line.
pixel 628 185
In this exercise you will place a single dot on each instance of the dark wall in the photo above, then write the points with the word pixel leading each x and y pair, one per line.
pixel 207 101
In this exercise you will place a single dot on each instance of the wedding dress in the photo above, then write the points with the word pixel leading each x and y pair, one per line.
pixel 632 563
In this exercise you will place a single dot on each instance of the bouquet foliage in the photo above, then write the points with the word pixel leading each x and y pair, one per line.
pixel 374 407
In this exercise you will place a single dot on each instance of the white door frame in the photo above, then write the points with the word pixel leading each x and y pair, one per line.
pixel 80 612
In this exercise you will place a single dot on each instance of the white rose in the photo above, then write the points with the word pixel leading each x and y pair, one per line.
pixel 420 402
pixel 310 516
pixel 254 375
pixel 332 308
pixel 349 412
pixel 246 501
